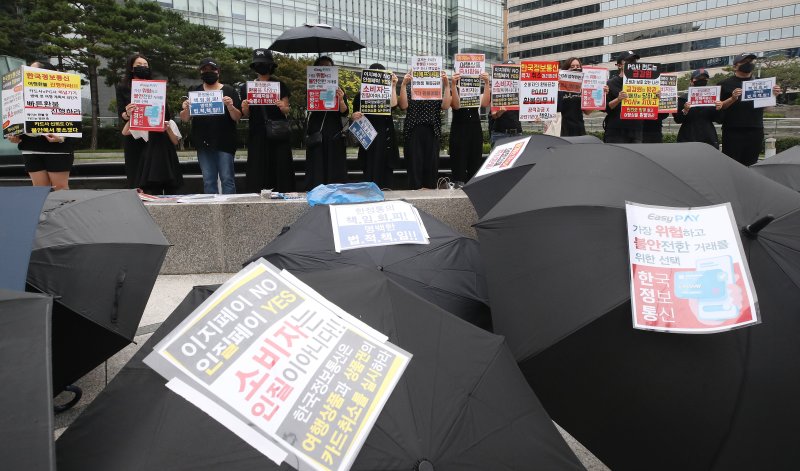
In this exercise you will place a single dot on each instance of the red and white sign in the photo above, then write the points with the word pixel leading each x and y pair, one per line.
pixel 592 95
pixel 263 93
pixel 150 98
pixel 538 91
pixel 704 96
pixel 570 81
pixel 503 156
pixel 426 82
pixel 321 86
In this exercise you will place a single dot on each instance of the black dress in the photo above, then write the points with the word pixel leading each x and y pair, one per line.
pixel 383 155
pixel 269 162
pixel 327 162
pixel 698 124
pixel 466 143
pixel 132 148
pixel 422 135
pixel 159 169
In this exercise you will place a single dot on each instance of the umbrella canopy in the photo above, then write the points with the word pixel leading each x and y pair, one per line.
pixel 448 272
pixel 98 253
pixel 317 38
pixel 784 168
pixel 462 403
pixel 23 205
pixel 556 254
pixel 26 407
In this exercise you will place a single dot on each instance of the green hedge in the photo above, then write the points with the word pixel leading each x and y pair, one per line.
pixel 783 143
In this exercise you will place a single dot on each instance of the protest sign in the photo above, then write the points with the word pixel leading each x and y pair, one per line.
pixel 570 81
pixel 703 96
pixel 260 92
pixel 426 83
pixel 642 84
pixel 282 367
pixel 150 98
pixel 668 100
pixel 503 156
pixel 206 103
pixel 376 92
pixel 505 87
pixel 592 95
pixel 364 131
pixel 759 91
pixel 321 85
pixel 39 101
pixel 375 224
pixel 538 90
pixel 688 272
pixel 470 67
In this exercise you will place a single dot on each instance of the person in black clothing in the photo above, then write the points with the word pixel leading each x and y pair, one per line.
pixel 569 104
pixel 466 134
pixel 136 67
pixel 269 161
pixel 383 155
pixel 327 162
pixel 652 129
pixel 159 169
pixel 697 123
pixel 504 122
pixel 618 130
pixel 742 124
pixel 214 136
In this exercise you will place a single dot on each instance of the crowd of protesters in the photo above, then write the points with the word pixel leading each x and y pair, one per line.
pixel 151 161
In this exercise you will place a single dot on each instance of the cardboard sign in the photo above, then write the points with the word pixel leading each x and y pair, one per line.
pixel 376 92
pixel 538 91
pixel 759 91
pixel 426 83
pixel 505 87
pixel 357 226
pixel 642 84
pixel 592 95
pixel 688 272
pixel 206 103
pixel 263 93
pixel 470 67
pixel 364 131
pixel 570 81
pixel 321 86
pixel 150 98
pixel 282 367
pixel 703 96
pixel 503 156
pixel 668 100
pixel 39 101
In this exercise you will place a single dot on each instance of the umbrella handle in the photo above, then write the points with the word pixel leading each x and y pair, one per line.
pixel 751 230
pixel 117 294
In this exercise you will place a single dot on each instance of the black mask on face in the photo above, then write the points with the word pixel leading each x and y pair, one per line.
pixel 209 77
pixel 700 83
pixel 746 68
pixel 262 68
pixel 142 72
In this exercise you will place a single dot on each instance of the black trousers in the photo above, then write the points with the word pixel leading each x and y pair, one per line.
pixel 623 136
pixel 421 153
pixel 742 144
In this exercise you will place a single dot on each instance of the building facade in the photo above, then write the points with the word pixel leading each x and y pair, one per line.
pixel 681 35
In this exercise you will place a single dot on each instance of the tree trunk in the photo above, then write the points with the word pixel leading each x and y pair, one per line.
pixel 93 91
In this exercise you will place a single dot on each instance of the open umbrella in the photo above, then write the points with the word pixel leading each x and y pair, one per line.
pixel 316 38
pixel 22 205
pixel 448 272
pixel 556 254
pixel 98 253
pixel 26 399
pixel 784 168
pixel 462 403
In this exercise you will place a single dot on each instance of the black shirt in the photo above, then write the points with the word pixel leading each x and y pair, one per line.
pixel 422 112
pixel 698 124
pixel 613 120
pixel 216 132
pixel 507 122
pixel 569 104
pixel 259 114
pixel 740 114
pixel 466 115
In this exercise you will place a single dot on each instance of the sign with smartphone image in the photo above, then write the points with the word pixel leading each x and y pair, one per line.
pixel 688 272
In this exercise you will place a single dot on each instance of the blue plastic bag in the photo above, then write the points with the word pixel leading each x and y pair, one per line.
pixel 342 193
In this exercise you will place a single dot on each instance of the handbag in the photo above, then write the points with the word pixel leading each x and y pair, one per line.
pixel 315 138
pixel 276 130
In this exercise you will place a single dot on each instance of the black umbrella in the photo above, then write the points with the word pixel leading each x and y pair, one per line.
pixel 22 205
pixel 556 253
pixel 98 253
pixel 316 38
pixel 784 168
pixel 448 272
pixel 26 399
pixel 461 404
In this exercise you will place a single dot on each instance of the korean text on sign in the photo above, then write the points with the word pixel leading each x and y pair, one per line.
pixel 206 103
pixel 375 224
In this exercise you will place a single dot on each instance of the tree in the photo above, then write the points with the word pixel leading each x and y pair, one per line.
pixel 786 72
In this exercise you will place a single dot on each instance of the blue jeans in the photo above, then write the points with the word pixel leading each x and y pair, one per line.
pixel 215 163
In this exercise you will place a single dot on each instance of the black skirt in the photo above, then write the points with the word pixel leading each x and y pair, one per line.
pixel 466 149
pixel 327 162
pixel 269 165
pixel 380 160
pixel 159 168
pixel 421 154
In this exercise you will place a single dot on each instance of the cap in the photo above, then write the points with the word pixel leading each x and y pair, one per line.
pixel 510 61
pixel 699 72
pixel 208 61
pixel 626 56
pixel 743 57
pixel 263 55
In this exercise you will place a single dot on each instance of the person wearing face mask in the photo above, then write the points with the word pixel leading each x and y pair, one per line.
pixel 697 123
pixel 617 130
pixel 214 136
pixel 136 67
pixel 569 104
pixel 269 161
pixel 742 124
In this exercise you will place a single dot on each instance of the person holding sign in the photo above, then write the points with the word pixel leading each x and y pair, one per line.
pixel 159 169
pixel 466 134
pixel 48 158
pixel 504 121
pixel 380 159
pixel 742 122
pixel 569 103
pixel 136 67
pixel 269 153
pixel 422 133
pixel 697 122
pixel 326 151
pixel 617 130
pixel 213 132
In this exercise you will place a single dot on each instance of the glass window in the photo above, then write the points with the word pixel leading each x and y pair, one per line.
pixel 263 14
pixel 774 34
pixel 692 7
pixel 682 9
pixel 224 8
pixel 277 16
pixel 763 15
pixel 775 13
pixel 752 38
pixel 752 17
pixel 238 10
pixel 788 10
pixel 741 39
pixel 252 12
pixel 196 6
pixel 702 5
pixel 786 32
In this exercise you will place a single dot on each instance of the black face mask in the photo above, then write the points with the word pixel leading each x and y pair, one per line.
pixel 700 83
pixel 142 72
pixel 263 68
pixel 746 68
pixel 210 77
